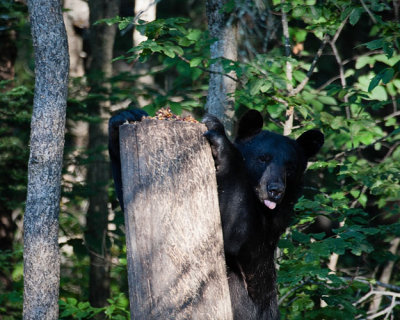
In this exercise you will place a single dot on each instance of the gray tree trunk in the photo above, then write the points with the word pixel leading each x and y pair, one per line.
pixel 41 251
pixel 220 101
pixel 176 265
pixel 101 52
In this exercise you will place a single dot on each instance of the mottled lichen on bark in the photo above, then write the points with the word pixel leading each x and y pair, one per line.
pixel 41 252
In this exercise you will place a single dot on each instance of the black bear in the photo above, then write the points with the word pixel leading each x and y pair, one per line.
pixel 259 179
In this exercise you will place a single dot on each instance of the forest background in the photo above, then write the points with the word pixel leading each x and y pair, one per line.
pixel 332 65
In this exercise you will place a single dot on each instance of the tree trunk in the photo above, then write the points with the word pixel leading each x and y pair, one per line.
pixel 144 10
pixel 101 49
pixel 41 252
pixel 76 18
pixel 220 100
pixel 176 265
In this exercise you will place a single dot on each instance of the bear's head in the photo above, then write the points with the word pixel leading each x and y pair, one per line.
pixel 275 163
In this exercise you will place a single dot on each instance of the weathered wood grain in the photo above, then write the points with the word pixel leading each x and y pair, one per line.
pixel 176 266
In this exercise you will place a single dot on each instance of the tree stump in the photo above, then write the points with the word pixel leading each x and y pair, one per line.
pixel 176 265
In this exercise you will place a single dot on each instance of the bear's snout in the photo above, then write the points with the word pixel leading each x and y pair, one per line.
pixel 275 191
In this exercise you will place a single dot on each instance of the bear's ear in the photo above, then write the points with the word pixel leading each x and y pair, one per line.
pixel 311 141
pixel 250 125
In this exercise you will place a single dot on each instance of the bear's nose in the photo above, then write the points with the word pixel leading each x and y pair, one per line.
pixel 275 191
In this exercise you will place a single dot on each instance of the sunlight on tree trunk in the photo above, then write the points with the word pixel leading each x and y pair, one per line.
pixel 220 100
pixel 144 10
pixel 76 17
pixel 41 251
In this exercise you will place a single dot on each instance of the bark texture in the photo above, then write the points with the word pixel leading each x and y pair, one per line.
pixel 176 266
pixel 101 52
pixel 41 252
pixel 220 100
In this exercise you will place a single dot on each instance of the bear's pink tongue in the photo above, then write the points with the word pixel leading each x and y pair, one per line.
pixel 271 205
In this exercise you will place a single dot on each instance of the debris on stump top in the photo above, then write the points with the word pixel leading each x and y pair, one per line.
pixel 166 114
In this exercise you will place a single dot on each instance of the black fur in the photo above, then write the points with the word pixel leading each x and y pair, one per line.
pixel 259 180
pixel 114 123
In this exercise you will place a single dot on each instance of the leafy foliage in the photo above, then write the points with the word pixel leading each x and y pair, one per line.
pixel 117 309
pixel 349 88
pixel 345 62
pixel 14 118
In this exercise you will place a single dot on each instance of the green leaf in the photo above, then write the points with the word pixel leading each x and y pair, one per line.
pixel 300 35
pixel 379 93
pixel 388 49
pixel 328 100
pixel 374 82
pixel 194 35
pixel 255 86
pixel 375 44
pixel 276 110
pixel 72 301
pixel 67 312
pixel 124 23
pixel 266 86
pixel 175 107
pixel 169 52
pixel 83 305
pixel 109 21
pixel 299 11
pixel 185 42
pixel 387 75
pixel 229 6
pixel 355 15
pixel 300 237
pixel 363 61
pixel 195 62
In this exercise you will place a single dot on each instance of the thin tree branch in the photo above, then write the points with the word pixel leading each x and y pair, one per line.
pixel 379 283
pixel 375 292
pixel 311 70
pixel 209 71
pixel 288 126
pixel 280 100
pixel 291 291
pixel 327 83
pixel 386 311
pixel 340 29
pixel 289 67
pixel 386 274
pixel 368 11
pixel 339 60
pixel 318 55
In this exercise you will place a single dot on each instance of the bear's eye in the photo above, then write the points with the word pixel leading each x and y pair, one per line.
pixel 265 158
